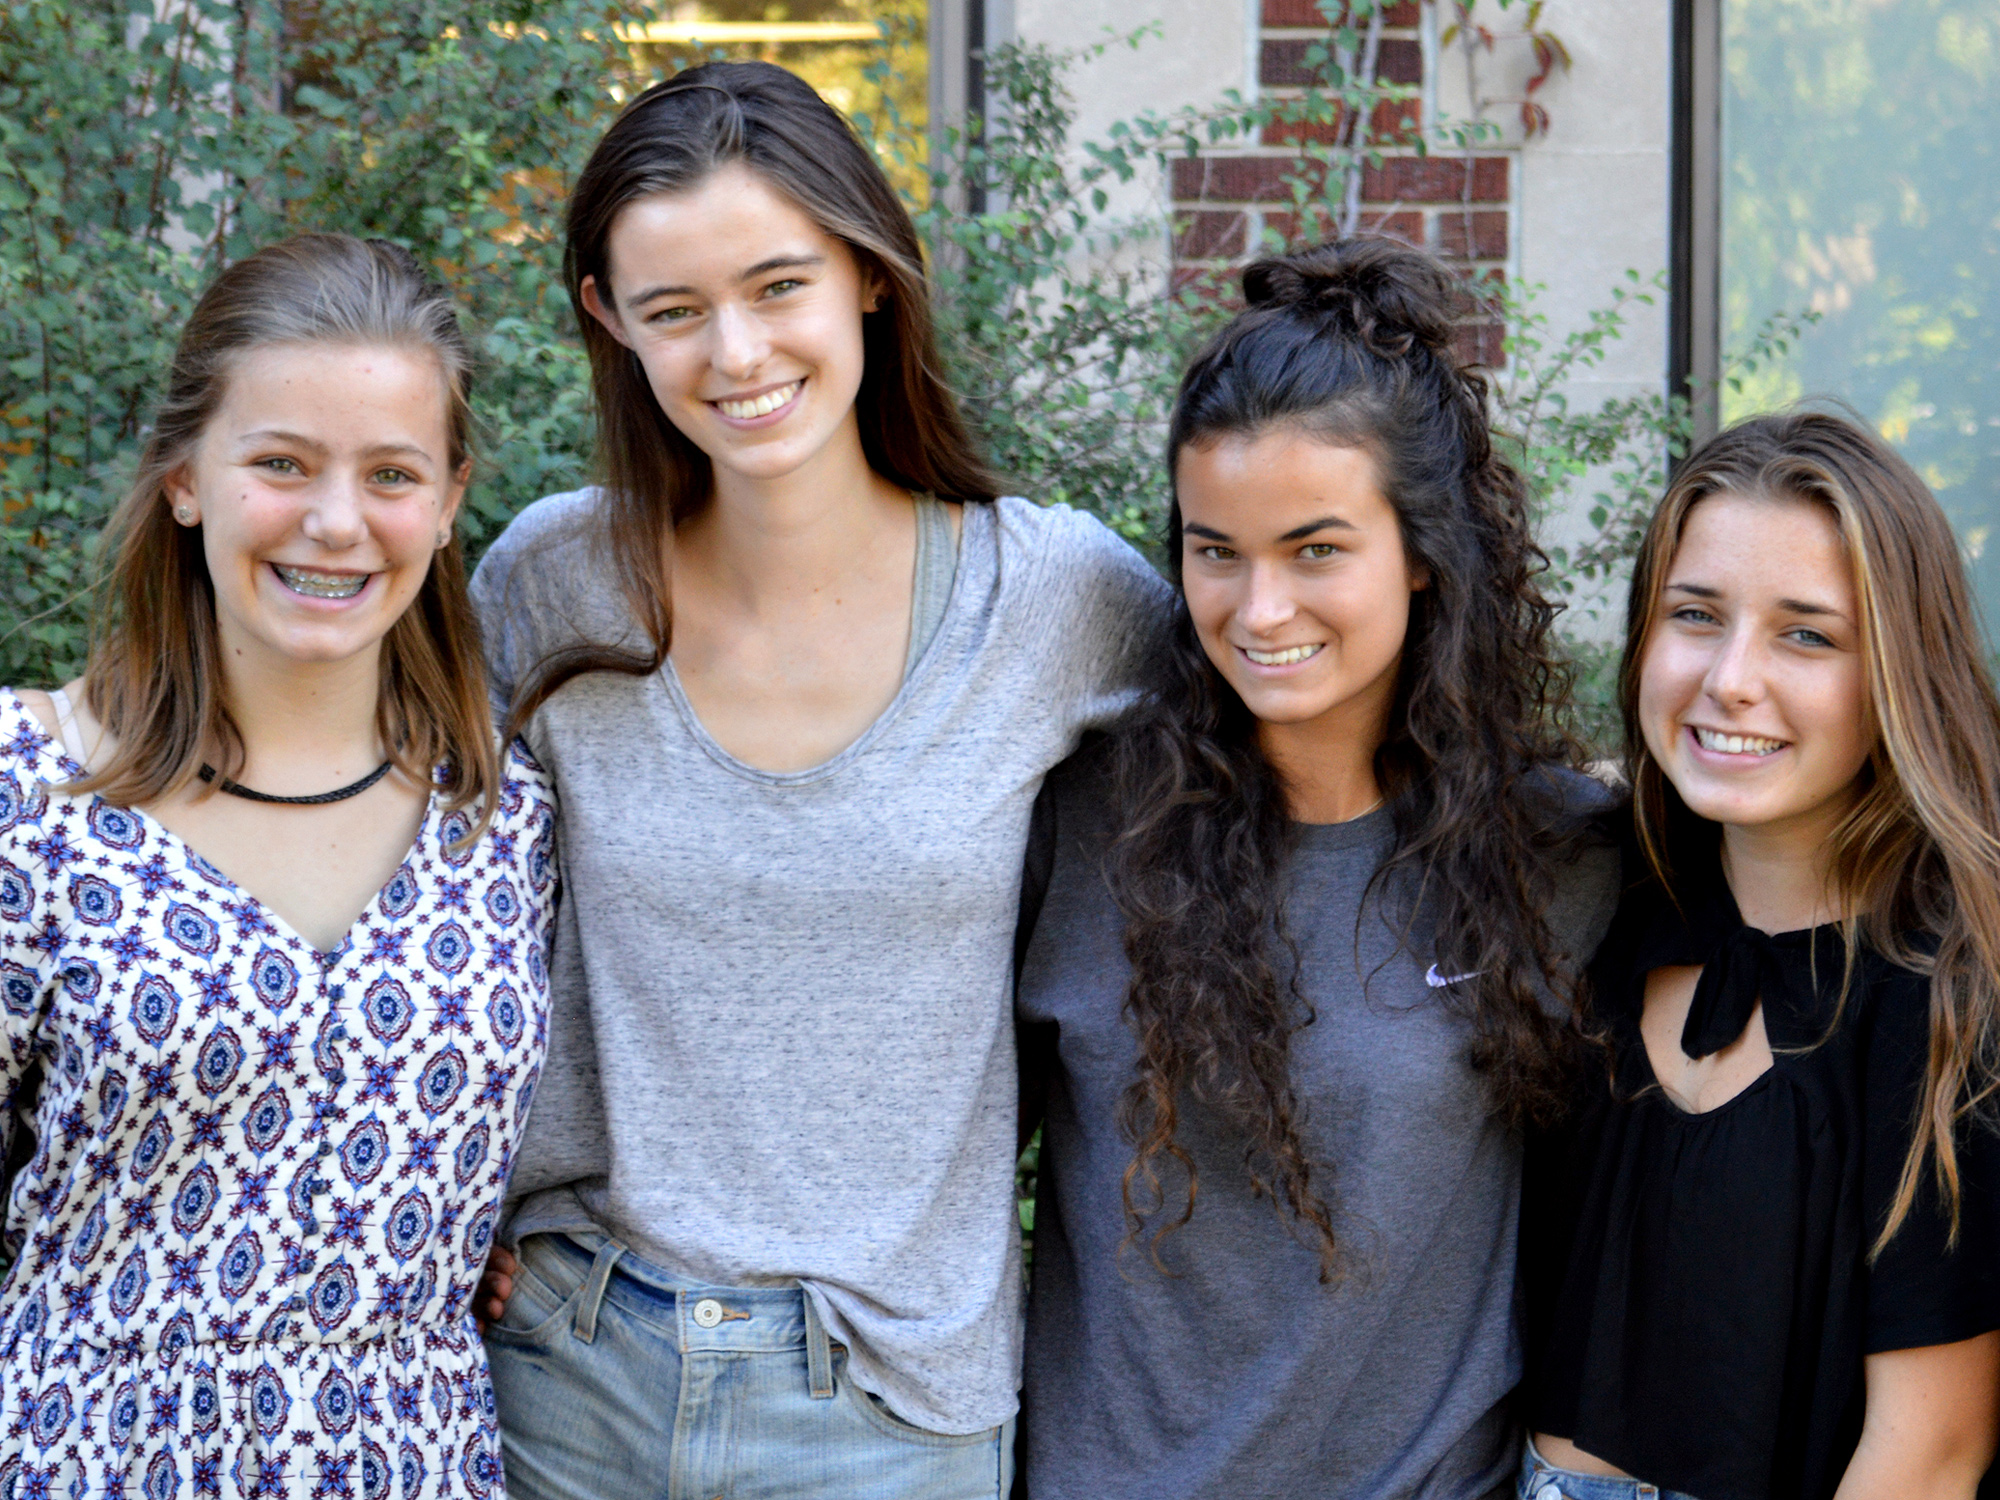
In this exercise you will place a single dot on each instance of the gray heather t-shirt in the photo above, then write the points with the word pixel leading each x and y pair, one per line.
pixel 782 1042
pixel 1239 1375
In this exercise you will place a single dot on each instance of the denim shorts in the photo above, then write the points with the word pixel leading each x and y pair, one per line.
pixel 617 1382
pixel 1542 1480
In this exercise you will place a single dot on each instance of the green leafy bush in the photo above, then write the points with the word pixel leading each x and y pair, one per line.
pixel 142 148
pixel 138 154
pixel 1063 344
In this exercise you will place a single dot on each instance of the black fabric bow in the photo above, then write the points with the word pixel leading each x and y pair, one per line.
pixel 1743 966
pixel 1739 964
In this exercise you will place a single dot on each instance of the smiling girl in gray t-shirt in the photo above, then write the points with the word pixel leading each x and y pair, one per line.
pixel 1301 932
pixel 798 676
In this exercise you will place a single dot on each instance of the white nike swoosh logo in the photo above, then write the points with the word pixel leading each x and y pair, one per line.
pixel 1438 981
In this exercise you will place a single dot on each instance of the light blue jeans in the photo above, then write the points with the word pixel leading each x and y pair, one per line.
pixel 1542 1480
pixel 615 1382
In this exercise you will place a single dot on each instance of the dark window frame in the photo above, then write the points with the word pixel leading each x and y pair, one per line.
pixel 1694 278
pixel 960 33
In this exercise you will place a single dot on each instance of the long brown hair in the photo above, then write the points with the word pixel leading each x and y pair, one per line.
pixel 1350 342
pixel 154 674
pixel 668 140
pixel 1917 858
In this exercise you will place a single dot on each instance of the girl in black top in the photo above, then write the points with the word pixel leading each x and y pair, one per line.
pixel 1762 1261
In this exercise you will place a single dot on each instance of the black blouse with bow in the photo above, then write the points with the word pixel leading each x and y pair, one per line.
pixel 1700 1300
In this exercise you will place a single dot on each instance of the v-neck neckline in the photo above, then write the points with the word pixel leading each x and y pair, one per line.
pixel 914 676
pixel 327 958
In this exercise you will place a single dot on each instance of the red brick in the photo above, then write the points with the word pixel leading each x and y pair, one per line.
pixel 1488 288
pixel 1395 121
pixel 1294 235
pixel 1210 236
pixel 1479 344
pixel 1407 227
pixel 1298 132
pixel 1282 63
pixel 1400 61
pixel 1308 13
pixel 1234 179
pixel 1435 179
pixel 1483 238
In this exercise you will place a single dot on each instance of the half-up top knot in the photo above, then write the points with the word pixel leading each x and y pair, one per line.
pixel 1349 345
pixel 1393 298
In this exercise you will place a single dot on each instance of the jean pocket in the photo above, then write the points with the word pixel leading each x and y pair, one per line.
pixel 875 1412
pixel 546 1291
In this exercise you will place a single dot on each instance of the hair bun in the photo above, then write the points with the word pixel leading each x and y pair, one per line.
pixel 1278 283
pixel 1392 296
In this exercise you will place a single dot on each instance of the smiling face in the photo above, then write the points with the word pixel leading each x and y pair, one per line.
pixel 1293 564
pixel 746 316
pixel 1753 695
pixel 322 486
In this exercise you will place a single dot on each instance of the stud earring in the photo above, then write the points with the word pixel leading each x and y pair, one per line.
pixel 183 514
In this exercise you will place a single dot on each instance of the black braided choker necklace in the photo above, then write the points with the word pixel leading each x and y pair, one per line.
pixel 224 784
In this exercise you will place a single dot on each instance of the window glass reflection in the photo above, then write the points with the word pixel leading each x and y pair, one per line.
pixel 1861 179
pixel 868 58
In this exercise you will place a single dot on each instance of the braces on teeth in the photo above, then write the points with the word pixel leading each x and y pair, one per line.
pixel 322 585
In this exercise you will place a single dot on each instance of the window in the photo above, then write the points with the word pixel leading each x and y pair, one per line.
pixel 868 58
pixel 1843 157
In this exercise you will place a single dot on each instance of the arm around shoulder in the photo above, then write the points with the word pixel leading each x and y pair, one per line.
pixel 1102 610
pixel 516 590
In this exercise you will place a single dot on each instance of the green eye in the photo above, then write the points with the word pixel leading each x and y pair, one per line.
pixel 278 465
pixel 783 286
pixel 392 476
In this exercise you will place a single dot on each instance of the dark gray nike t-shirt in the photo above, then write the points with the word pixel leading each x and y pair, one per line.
pixel 1240 1375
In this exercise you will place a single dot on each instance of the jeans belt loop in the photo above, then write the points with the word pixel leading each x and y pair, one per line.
pixel 594 1288
pixel 819 1353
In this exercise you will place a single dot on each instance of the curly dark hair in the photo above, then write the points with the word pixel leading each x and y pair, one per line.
pixel 1353 343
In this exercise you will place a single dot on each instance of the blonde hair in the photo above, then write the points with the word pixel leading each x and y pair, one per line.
pixel 1917 858
pixel 153 676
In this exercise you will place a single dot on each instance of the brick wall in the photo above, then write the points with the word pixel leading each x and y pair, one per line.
pixel 1225 202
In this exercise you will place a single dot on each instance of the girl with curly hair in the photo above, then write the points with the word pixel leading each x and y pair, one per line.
pixel 1303 962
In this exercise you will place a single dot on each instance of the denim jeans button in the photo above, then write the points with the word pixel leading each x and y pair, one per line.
pixel 708 1312
pixel 1548 1492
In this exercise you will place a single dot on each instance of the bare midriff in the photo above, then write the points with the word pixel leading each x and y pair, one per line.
pixel 1566 1455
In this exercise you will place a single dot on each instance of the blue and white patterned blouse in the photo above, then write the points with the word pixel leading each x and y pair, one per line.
pixel 264 1178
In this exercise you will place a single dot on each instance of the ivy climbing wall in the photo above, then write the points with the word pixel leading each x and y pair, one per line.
pixel 1240 198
